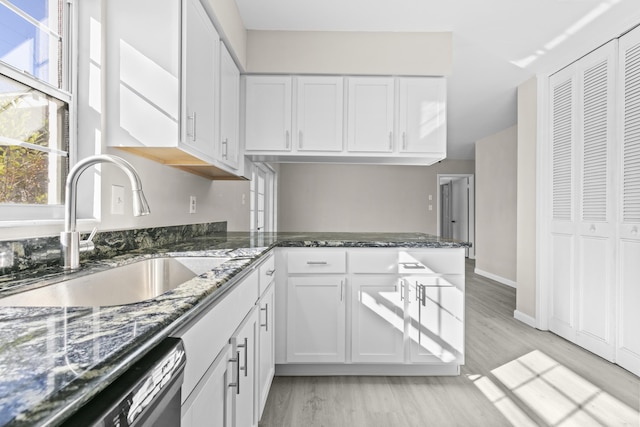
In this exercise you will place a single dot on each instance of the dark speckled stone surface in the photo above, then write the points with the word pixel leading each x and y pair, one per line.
pixel 53 360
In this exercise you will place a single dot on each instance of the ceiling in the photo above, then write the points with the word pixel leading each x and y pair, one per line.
pixel 497 44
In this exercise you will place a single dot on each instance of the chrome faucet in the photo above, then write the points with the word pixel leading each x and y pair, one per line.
pixel 70 242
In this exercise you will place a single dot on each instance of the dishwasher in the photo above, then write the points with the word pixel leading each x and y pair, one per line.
pixel 147 394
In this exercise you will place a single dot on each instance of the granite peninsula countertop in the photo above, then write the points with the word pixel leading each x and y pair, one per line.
pixel 55 359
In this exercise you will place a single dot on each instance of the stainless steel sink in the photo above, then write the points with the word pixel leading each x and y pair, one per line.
pixel 127 284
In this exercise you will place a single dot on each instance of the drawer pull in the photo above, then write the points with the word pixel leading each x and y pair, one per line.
pixel 413 265
pixel 317 262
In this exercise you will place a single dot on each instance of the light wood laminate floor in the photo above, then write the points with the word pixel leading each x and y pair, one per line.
pixel 514 375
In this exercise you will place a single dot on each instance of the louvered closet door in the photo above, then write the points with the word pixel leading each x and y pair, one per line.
pixel 562 253
pixel 595 132
pixel 628 331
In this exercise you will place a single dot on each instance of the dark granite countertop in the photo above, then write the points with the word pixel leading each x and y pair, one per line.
pixel 54 359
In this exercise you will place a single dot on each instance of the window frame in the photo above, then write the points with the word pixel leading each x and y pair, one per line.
pixel 31 214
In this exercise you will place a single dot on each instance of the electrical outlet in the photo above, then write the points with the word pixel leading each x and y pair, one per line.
pixel 430 207
pixel 117 200
pixel 192 204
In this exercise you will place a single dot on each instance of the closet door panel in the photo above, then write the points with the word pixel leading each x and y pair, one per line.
pixel 596 264
pixel 628 327
pixel 562 253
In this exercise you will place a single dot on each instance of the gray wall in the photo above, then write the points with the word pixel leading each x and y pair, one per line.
pixel 329 197
pixel 496 189
pixel 526 234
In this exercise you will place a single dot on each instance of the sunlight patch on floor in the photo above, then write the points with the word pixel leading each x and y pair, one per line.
pixel 561 397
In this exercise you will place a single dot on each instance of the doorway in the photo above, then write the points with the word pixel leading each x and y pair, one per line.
pixel 456 208
pixel 262 198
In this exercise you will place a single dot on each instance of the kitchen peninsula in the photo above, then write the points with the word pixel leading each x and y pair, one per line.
pixel 55 359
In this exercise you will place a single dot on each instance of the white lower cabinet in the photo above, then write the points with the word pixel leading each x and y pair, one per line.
pixel 436 319
pixel 244 343
pixel 266 345
pixel 316 319
pixel 212 405
pixel 226 378
pixel 372 311
pixel 377 319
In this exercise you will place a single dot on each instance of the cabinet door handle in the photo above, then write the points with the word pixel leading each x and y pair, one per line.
pixel 341 288
pixel 404 140
pixel 224 148
pixel 413 265
pixel 401 291
pixel 195 126
pixel 270 272
pixel 236 360
pixel 245 346
pixel 286 139
pixel 390 140
pixel 300 139
pixel 417 292
pixel 265 325
pixel 317 262
pixel 192 119
pixel 424 296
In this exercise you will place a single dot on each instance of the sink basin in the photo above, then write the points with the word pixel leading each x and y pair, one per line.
pixel 127 284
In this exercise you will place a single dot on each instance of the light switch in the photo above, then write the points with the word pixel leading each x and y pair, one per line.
pixel 430 197
pixel 430 207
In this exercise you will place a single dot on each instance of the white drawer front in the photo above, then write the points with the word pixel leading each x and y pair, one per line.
pixel 431 261
pixel 267 273
pixel 373 261
pixel 316 261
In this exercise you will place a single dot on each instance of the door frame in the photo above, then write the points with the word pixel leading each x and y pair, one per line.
pixel 472 207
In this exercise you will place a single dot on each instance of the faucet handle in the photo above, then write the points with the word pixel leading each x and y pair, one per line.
pixel 87 245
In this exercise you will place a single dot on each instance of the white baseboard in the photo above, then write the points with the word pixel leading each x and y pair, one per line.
pixel 524 318
pixel 495 277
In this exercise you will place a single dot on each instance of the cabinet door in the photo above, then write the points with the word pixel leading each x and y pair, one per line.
pixel 266 364
pixel 377 319
pixel 423 126
pixel 229 108
pixel 316 319
pixel 628 338
pixel 200 48
pixel 370 114
pixel 436 320
pixel 268 113
pixel 244 343
pixel 212 405
pixel 319 114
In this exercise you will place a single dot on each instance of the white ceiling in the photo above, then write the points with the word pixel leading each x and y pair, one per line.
pixel 497 44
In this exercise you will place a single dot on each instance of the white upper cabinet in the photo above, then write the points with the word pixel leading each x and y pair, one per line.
pixel 268 113
pixel 422 115
pixel 163 98
pixel 200 46
pixel 388 120
pixel 370 114
pixel 229 109
pixel 319 114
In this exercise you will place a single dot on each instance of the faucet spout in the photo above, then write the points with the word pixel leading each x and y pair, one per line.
pixel 70 237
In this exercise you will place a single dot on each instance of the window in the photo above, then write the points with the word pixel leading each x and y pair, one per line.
pixel 34 107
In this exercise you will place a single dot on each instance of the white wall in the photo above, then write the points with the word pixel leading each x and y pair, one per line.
pixel 329 197
pixel 343 52
pixel 496 188
pixel 526 199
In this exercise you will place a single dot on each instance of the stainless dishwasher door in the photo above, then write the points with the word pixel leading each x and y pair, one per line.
pixel 147 395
